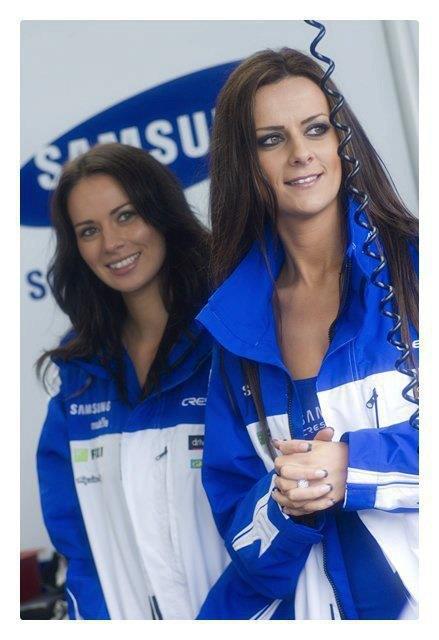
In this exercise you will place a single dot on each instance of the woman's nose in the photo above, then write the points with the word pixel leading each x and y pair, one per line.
pixel 299 152
pixel 112 241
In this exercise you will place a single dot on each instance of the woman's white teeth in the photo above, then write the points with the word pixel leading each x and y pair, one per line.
pixel 304 180
pixel 125 262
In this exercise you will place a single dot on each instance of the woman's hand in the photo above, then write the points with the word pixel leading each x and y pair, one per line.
pixel 321 462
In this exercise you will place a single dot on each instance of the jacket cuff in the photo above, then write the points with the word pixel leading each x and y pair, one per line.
pixel 359 496
pixel 291 531
pixel 362 454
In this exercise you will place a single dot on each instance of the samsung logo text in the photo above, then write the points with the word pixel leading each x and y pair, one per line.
pixel 90 409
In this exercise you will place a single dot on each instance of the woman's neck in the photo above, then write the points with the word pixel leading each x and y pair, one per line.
pixel 147 316
pixel 314 248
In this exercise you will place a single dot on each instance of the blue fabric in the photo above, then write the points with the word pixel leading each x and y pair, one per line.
pixel 308 407
pixel 377 592
pixel 268 550
pixel 85 387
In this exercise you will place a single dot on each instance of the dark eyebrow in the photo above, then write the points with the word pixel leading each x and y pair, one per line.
pixel 112 212
pixel 313 117
pixel 278 127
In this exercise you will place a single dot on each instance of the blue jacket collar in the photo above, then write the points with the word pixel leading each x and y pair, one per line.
pixel 191 350
pixel 240 313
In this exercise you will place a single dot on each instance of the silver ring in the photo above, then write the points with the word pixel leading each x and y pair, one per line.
pixel 302 484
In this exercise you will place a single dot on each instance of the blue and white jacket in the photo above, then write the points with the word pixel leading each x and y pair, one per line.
pixel 281 569
pixel 121 489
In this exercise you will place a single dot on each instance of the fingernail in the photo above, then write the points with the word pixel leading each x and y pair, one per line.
pixel 325 488
pixel 321 473
pixel 331 502
pixel 331 429
pixel 305 447
pixel 275 443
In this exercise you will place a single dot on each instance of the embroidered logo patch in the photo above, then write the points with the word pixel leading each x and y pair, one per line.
pixel 196 463
pixel 196 442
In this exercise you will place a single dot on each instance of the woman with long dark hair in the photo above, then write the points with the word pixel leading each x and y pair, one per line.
pixel 310 463
pixel 119 457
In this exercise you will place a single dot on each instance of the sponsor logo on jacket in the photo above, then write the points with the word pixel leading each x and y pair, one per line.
pixel 82 454
pixel 88 479
pixel 102 423
pixel 90 408
pixel 193 402
pixel 196 442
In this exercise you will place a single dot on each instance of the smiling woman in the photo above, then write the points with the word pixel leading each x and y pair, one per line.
pixel 118 459
pixel 113 239
pixel 301 153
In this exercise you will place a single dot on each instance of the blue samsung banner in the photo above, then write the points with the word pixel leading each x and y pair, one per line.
pixel 172 121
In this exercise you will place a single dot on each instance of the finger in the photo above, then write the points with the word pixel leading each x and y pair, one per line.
pixel 281 499
pixel 309 507
pixel 310 493
pixel 297 472
pixel 292 446
pixel 285 485
pixel 325 434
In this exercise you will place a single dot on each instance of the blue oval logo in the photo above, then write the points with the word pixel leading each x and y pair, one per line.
pixel 172 121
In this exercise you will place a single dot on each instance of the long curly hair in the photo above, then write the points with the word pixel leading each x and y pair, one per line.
pixel 243 202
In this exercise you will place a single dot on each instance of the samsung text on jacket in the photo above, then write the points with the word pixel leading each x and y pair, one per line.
pixel 90 408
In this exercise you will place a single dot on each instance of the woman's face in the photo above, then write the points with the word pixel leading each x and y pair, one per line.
pixel 117 244
pixel 297 146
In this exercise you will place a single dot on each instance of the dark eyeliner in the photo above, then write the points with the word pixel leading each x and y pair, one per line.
pixel 321 125
pixel 264 139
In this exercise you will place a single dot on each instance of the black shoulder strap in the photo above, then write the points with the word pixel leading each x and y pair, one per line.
pixel 227 384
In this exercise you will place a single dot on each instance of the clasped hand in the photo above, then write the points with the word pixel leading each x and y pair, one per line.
pixel 322 462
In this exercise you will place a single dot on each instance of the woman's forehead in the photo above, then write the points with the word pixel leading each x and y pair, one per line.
pixel 293 97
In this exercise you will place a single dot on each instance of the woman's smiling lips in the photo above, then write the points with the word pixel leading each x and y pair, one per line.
pixel 125 265
pixel 304 182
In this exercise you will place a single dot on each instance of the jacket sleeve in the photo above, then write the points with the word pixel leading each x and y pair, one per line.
pixel 63 519
pixel 383 469
pixel 267 547
pixel 383 464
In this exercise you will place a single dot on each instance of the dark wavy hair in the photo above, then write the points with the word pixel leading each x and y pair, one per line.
pixel 243 202
pixel 96 311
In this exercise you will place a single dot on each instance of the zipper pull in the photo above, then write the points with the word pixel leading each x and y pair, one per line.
pixel 372 400
pixel 163 453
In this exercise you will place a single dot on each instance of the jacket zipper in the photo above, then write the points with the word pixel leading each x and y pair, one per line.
pixel 331 582
pixel 372 403
pixel 290 407
pixel 155 609
pixel 163 453
pixel 153 603
pixel 346 271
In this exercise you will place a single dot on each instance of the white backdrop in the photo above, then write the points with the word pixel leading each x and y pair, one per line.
pixel 73 70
